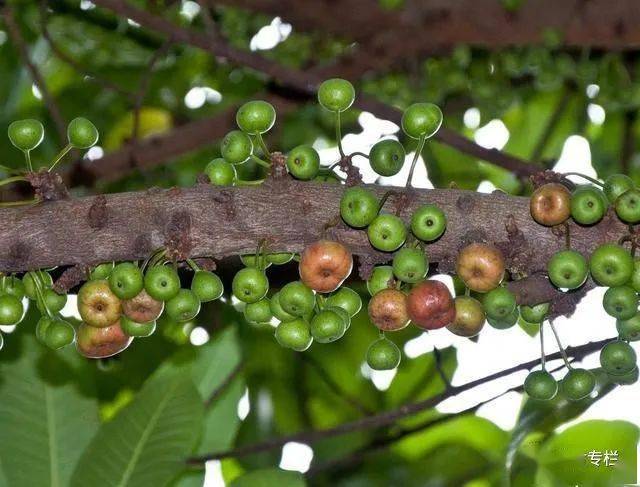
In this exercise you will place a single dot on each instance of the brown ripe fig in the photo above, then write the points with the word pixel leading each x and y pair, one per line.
pixel 324 265
pixel 142 308
pixel 480 266
pixel 469 319
pixel 97 305
pixel 103 342
pixel 388 310
pixel 550 204
pixel 430 305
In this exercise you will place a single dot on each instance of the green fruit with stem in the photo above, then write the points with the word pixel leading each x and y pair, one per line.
pixel 383 354
pixel 54 301
pixel 161 283
pixel 82 134
pixel 499 303
pixel 250 285
pixel 258 312
pixel 11 310
pixel 615 185
pixel 387 233
pixel 578 384
pixel 627 379
pixel 207 286
pixel 358 207
pixel 568 269
pixel 252 260
pixel 611 265
pixel 303 162
pixel 621 302
pixel 588 205
pixel 126 280
pixel 428 223
pixel 26 134
pixel 336 94
pixel 184 306
pixel 280 258
pixel 618 358
pixel 541 385
pixel 327 326
pixel 13 286
pixel 347 299
pixel 629 329
pixel 30 284
pixel 137 330
pixel 59 333
pixel 236 147
pixel 294 334
pixel 256 117
pixel 410 265
pixel 101 271
pixel 421 120
pixel 42 326
pixel 277 311
pixel 635 276
pixel 505 323
pixel 297 299
pixel 387 157
pixel 220 172
pixel 381 278
pixel 534 314
pixel 342 313
pixel 628 206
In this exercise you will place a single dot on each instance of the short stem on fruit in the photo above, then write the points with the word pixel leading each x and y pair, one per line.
pixel 263 146
pixel 60 155
pixel 260 162
pixel 361 154
pixel 242 182
pixel 384 199
pixel 27 156
pixel 584 176
pixel 193 265
pixel 543 357
pixel 339 134
pixel 421 142
pixel 13 179
pixel 39 292
pixel 32 201
pixel 260 256
pixel 154 258
pixel 10 170
pixel 560 347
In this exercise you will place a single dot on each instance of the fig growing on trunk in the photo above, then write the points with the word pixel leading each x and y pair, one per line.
pixel 102 342
pixel 430 305
pixel 480 266
pixel 324 265
pixel 388 310
pixel 550 204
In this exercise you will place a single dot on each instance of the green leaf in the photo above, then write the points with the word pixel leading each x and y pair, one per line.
pixel 48 413
pixel 147 442
pixel 269 478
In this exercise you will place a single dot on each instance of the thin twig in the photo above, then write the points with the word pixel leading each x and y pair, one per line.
pixel 224 385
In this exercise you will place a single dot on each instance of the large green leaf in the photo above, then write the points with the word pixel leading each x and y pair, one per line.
pixel 48 413
pixel 269 478
pixel 147 442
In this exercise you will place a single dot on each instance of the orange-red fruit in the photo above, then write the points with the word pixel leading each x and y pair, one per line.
pixel 430 305
pixel 142 308
pixel 480 266
pixel 103 342
pixel 324 265
pixel 550 204
pixel 388 310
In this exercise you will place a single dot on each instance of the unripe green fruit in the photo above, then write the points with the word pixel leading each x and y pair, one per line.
pixel 184 306
pixel 126 280
pixel 236 147
pixel 294 334
pixel 410 265
pixel 621 302
pixel 327 326
pixel 220 172
pixel 297 299
pixel 428 223
pixel 59 334
pixel 250 285
pixel 588 205
pixel 207 286
pixel 627 379
pixel 387 233
pixel 26 134
pixel 421 120
pixel 134 329
pixel 635 276
pixel 13 286
pixel 82 134
pixel 161 283
pixel 499 303
pixel 568 269
pixel 381 278
pixel 629 330
pixel 387 157
pixel 534 314
pixel 336 94
pixel 541 385
pixel 41 328
pixel 578 384
pixel 358 207
pixel 256 117
pixel 11 310
pixel 277 310
pixel 504 323
pixel 618 358
pixel 347 299
pixel 54 301
pixel 303 162
pixel 628 206
pixel 101 271
pixel 30 285
pixel 383 354
pixel 615 185
pixel 280 258
pixel 611 265
pixel 342 313
pixel 258 312
pixel 252 260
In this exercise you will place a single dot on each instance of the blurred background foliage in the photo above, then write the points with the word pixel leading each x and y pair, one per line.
pixel 67 421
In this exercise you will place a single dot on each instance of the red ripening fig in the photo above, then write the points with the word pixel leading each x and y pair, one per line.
pixel 388 310
pixel 103 342
pixel 550 204
pixel 324 265
pixel 430 305
pixel 480 266
pixel 142 308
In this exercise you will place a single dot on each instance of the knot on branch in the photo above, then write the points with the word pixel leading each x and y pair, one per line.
pixel 71 277
pixel 566 303
pixel 97 217
pixel 178 236
pixel 516 250
pixel 225 199
pixel 548 176
pixel 353 173
pixel 278 166
pixel 48 186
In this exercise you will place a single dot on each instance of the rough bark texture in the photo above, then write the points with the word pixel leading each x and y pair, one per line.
pixel 220 222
